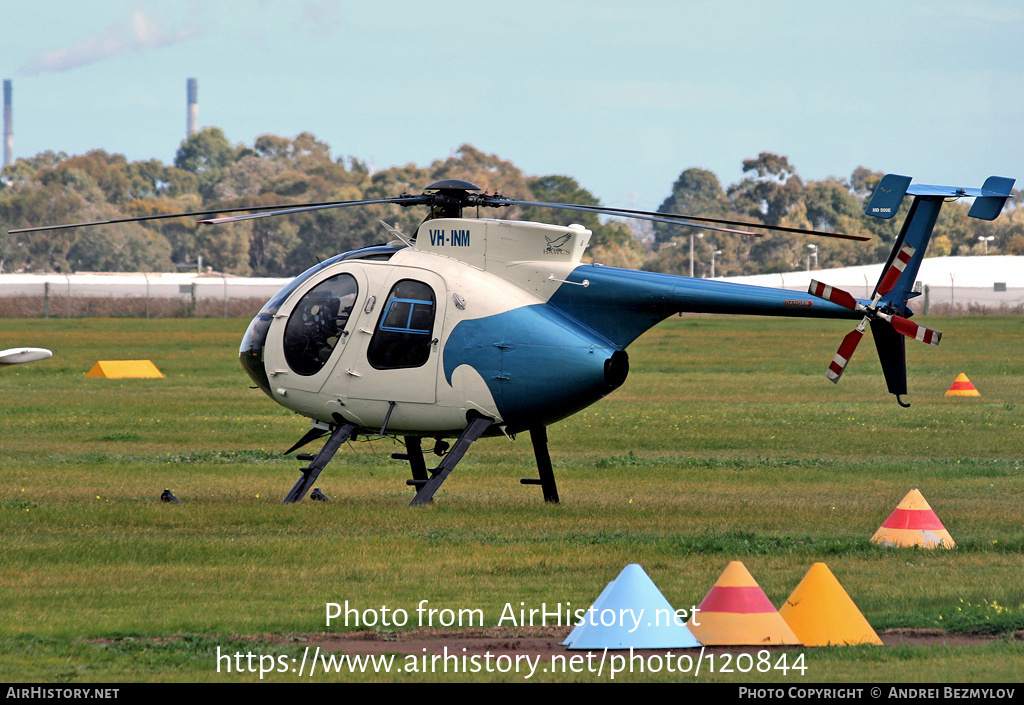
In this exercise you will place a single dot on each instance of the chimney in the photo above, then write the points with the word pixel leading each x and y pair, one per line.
pixel 8 125
pixel 192 124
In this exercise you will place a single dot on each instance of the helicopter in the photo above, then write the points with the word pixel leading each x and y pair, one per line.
pixel 477 327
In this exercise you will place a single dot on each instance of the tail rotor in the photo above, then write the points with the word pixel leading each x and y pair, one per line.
pixel 872 312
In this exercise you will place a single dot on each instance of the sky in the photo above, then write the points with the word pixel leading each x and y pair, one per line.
pixel 621 96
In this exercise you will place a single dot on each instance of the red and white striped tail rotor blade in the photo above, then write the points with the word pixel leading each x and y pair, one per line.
pixel 895 270
pixel 849 344
pixel 831 293
pixel 910 329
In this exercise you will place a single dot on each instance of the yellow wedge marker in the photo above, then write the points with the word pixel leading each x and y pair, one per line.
pixel 821 613
pixel 124 369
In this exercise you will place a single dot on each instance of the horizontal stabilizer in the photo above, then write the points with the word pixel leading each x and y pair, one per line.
pixel 988 200
pixel 888 195
pixel 994 193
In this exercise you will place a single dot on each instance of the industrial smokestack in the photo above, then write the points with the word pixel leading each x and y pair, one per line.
pixel 192 124
pixel 8 125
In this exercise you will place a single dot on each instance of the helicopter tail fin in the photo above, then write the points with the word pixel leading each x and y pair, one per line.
pixel 995 191
pixel 887 310
pixel 920 221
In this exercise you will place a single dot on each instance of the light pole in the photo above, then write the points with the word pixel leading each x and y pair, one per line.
pixel 986 240
pixel 952 294
pixel 713 253
pixel 691 251
pixel 813 253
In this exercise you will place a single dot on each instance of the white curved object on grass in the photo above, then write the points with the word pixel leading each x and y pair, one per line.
pixel 15 356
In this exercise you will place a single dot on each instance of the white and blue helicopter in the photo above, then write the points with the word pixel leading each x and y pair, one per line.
pixel 478 327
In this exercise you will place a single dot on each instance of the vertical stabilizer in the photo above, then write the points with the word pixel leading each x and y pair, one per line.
pixel 917 228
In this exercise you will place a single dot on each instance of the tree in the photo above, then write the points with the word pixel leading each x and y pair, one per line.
pixel 864 182
pixel 43 251
pixel 830 206
pixel 771 189
pixel 245 178
pixel 271 240
pixel 488 171
pixel 206 154
pixel 695 192
pixel 611 243
pixel 121 248
pixel 152 179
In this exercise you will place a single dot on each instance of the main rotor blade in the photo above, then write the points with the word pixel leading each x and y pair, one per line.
pixel 642 215
pixel 697 221
pixel 292 208
pixel 404 201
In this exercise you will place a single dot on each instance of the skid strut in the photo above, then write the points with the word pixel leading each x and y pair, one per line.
pixel 427 488
pixel 414 454
pixel 539 438
pixel 341 433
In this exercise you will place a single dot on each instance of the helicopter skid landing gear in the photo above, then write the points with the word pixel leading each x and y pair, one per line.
pixel 427 488
pixel 414 454
pixel 539 438
pixel 341 433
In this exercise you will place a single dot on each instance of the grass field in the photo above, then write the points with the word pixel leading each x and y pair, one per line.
pixel 725 443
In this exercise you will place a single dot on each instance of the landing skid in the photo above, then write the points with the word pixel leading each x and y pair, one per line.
pixel 539 438
pixel 414 454
pixel 427 488
pixel 341 433
pixel 427 482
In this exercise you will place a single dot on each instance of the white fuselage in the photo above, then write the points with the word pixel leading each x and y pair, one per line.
pixel 476 269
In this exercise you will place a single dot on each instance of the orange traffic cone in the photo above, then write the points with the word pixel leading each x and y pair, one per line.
pixel 962 387
pixel 821 613
pixel 736 612
pixel 913 523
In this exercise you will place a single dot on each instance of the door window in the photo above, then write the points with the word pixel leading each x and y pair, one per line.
pixel 404 332
pixel 317 323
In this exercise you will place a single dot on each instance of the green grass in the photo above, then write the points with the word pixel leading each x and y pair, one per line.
pixel 725 443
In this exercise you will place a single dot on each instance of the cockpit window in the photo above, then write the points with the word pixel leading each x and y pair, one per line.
pixel 403 335
pixel 317 323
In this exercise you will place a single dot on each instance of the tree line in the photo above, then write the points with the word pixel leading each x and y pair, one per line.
pixel 210 173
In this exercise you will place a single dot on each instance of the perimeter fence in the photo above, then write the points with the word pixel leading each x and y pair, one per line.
pixel 946 300
pixel 133 296
pixel 212 296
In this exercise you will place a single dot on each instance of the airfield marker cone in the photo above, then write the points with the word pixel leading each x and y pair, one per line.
pixel 736 612
pixel 630 612
pixel 913 523
pixel 962 387
pixel 821 613
pixel 124 369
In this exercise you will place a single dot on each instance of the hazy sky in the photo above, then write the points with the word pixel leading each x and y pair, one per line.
pixel 623 96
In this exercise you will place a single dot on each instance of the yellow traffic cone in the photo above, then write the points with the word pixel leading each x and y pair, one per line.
pixel 736 612
pixel 821 613
pixel 962 387
pixel 913 523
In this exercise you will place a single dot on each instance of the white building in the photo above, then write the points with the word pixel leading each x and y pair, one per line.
pixel 994 282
